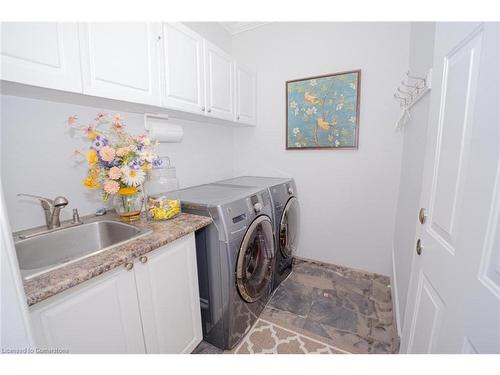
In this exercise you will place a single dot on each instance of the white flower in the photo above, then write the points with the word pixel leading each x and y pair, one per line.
pixel 353 86
pixel 313 82
pixel 293 104
pixel 148 155
pixel 352 119
pixel 297 144
pixel 337 143
pixel 132 177
pixel 296 131
pixel 311 111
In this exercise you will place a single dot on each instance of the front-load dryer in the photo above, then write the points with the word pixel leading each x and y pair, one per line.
pixel 235 258
pixel 286 218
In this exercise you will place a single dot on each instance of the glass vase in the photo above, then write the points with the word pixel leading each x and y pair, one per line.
pixel 129 206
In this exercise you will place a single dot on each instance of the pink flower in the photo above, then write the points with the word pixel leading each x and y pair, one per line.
pixel 72 119
pixel 107 153
pixel 111 187
pixel 122 151
pixel 114 173
pixel 100 116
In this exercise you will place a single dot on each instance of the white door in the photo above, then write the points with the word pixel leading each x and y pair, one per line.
pixel 454 298
pixel 41 54
pixel 121 61
pixel 167 284
pixel 218 82
pixel 246 95
pixel 183 69
pixel 99 316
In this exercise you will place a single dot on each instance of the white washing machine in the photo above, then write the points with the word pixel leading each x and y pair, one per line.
pixel 235 257
pixel 286 218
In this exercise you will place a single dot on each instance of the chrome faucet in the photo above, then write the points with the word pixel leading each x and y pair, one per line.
pixel 52 209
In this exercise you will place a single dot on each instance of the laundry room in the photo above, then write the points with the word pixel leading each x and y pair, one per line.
pixel 218 188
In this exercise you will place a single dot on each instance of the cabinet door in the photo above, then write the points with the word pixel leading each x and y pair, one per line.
pixel 183 71
pixel 121 61
pixel 167 285
pixel 98 316
pixel 218 82
pixel 41 54
pixel 246 95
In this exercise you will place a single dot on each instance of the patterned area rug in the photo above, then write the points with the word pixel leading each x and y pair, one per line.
pixel 268 338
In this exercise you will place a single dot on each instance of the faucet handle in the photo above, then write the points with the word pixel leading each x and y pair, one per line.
pixel 76 216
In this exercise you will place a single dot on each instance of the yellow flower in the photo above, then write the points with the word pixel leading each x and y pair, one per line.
pixel 146 166
pixel 130 190
pixel 94 171
pixel 90 182
pixel 91 156
pixel 92 135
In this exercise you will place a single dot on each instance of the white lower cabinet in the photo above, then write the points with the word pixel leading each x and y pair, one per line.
pixel 99 316
pixel 152 308
pixel 169 299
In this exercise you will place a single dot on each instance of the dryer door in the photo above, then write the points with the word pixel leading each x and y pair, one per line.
pixel 254 268
pixel 289 228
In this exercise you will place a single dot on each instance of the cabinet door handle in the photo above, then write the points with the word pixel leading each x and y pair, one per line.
pixel 129 266
pixel 418 248
pixel 237 117
pixel 422 215
pixel 209 110
pixel 203 109
pixel 143 259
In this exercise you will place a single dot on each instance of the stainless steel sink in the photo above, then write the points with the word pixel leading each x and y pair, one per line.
pixel 45 252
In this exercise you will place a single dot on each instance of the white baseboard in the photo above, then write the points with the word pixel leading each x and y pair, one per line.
pixel 394 292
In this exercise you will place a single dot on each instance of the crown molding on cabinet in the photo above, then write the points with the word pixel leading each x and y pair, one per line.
pixel 235 28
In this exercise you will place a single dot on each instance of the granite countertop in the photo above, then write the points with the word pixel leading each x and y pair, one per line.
pixel 53 282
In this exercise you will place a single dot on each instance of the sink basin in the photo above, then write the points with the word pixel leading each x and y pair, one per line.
pixel 45 252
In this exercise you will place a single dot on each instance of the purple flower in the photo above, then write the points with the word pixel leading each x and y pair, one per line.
pixel 99 142
pixel 157 162
pixel 135 163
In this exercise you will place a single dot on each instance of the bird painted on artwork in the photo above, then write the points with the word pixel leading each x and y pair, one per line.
pixel 323 124
pixel 311 98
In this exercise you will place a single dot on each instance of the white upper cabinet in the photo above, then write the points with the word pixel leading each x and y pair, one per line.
pixel 219 86
pixel 121 61
pixel 41 54
pixel 183 71
pixel 167 281
pixel 246 95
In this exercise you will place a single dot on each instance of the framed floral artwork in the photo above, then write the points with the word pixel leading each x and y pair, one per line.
pixel 322 112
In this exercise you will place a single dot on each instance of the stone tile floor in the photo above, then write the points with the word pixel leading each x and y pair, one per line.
pixel 348 308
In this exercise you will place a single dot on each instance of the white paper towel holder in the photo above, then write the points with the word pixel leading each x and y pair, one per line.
pixel 170 132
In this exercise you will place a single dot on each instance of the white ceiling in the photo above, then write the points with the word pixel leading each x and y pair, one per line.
pixel 238 27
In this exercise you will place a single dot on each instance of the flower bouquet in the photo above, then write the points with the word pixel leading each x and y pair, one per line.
pixel 117 162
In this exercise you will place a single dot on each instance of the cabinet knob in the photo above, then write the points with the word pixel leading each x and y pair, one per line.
pixel 209 110
pixel 418 248
pixel 129 266
pixel 143 259
pixel 237 117
pixel 203 109
pixel 422 215
pixel 158 37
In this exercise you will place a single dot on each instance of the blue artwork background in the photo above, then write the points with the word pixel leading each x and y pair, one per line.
pixel 322 112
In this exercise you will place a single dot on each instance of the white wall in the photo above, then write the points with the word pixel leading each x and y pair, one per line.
pixel 412 164
pixel 36 154
pixel 347 198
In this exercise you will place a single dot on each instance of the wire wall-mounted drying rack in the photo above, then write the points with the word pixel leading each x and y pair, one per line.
pixel 411 90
